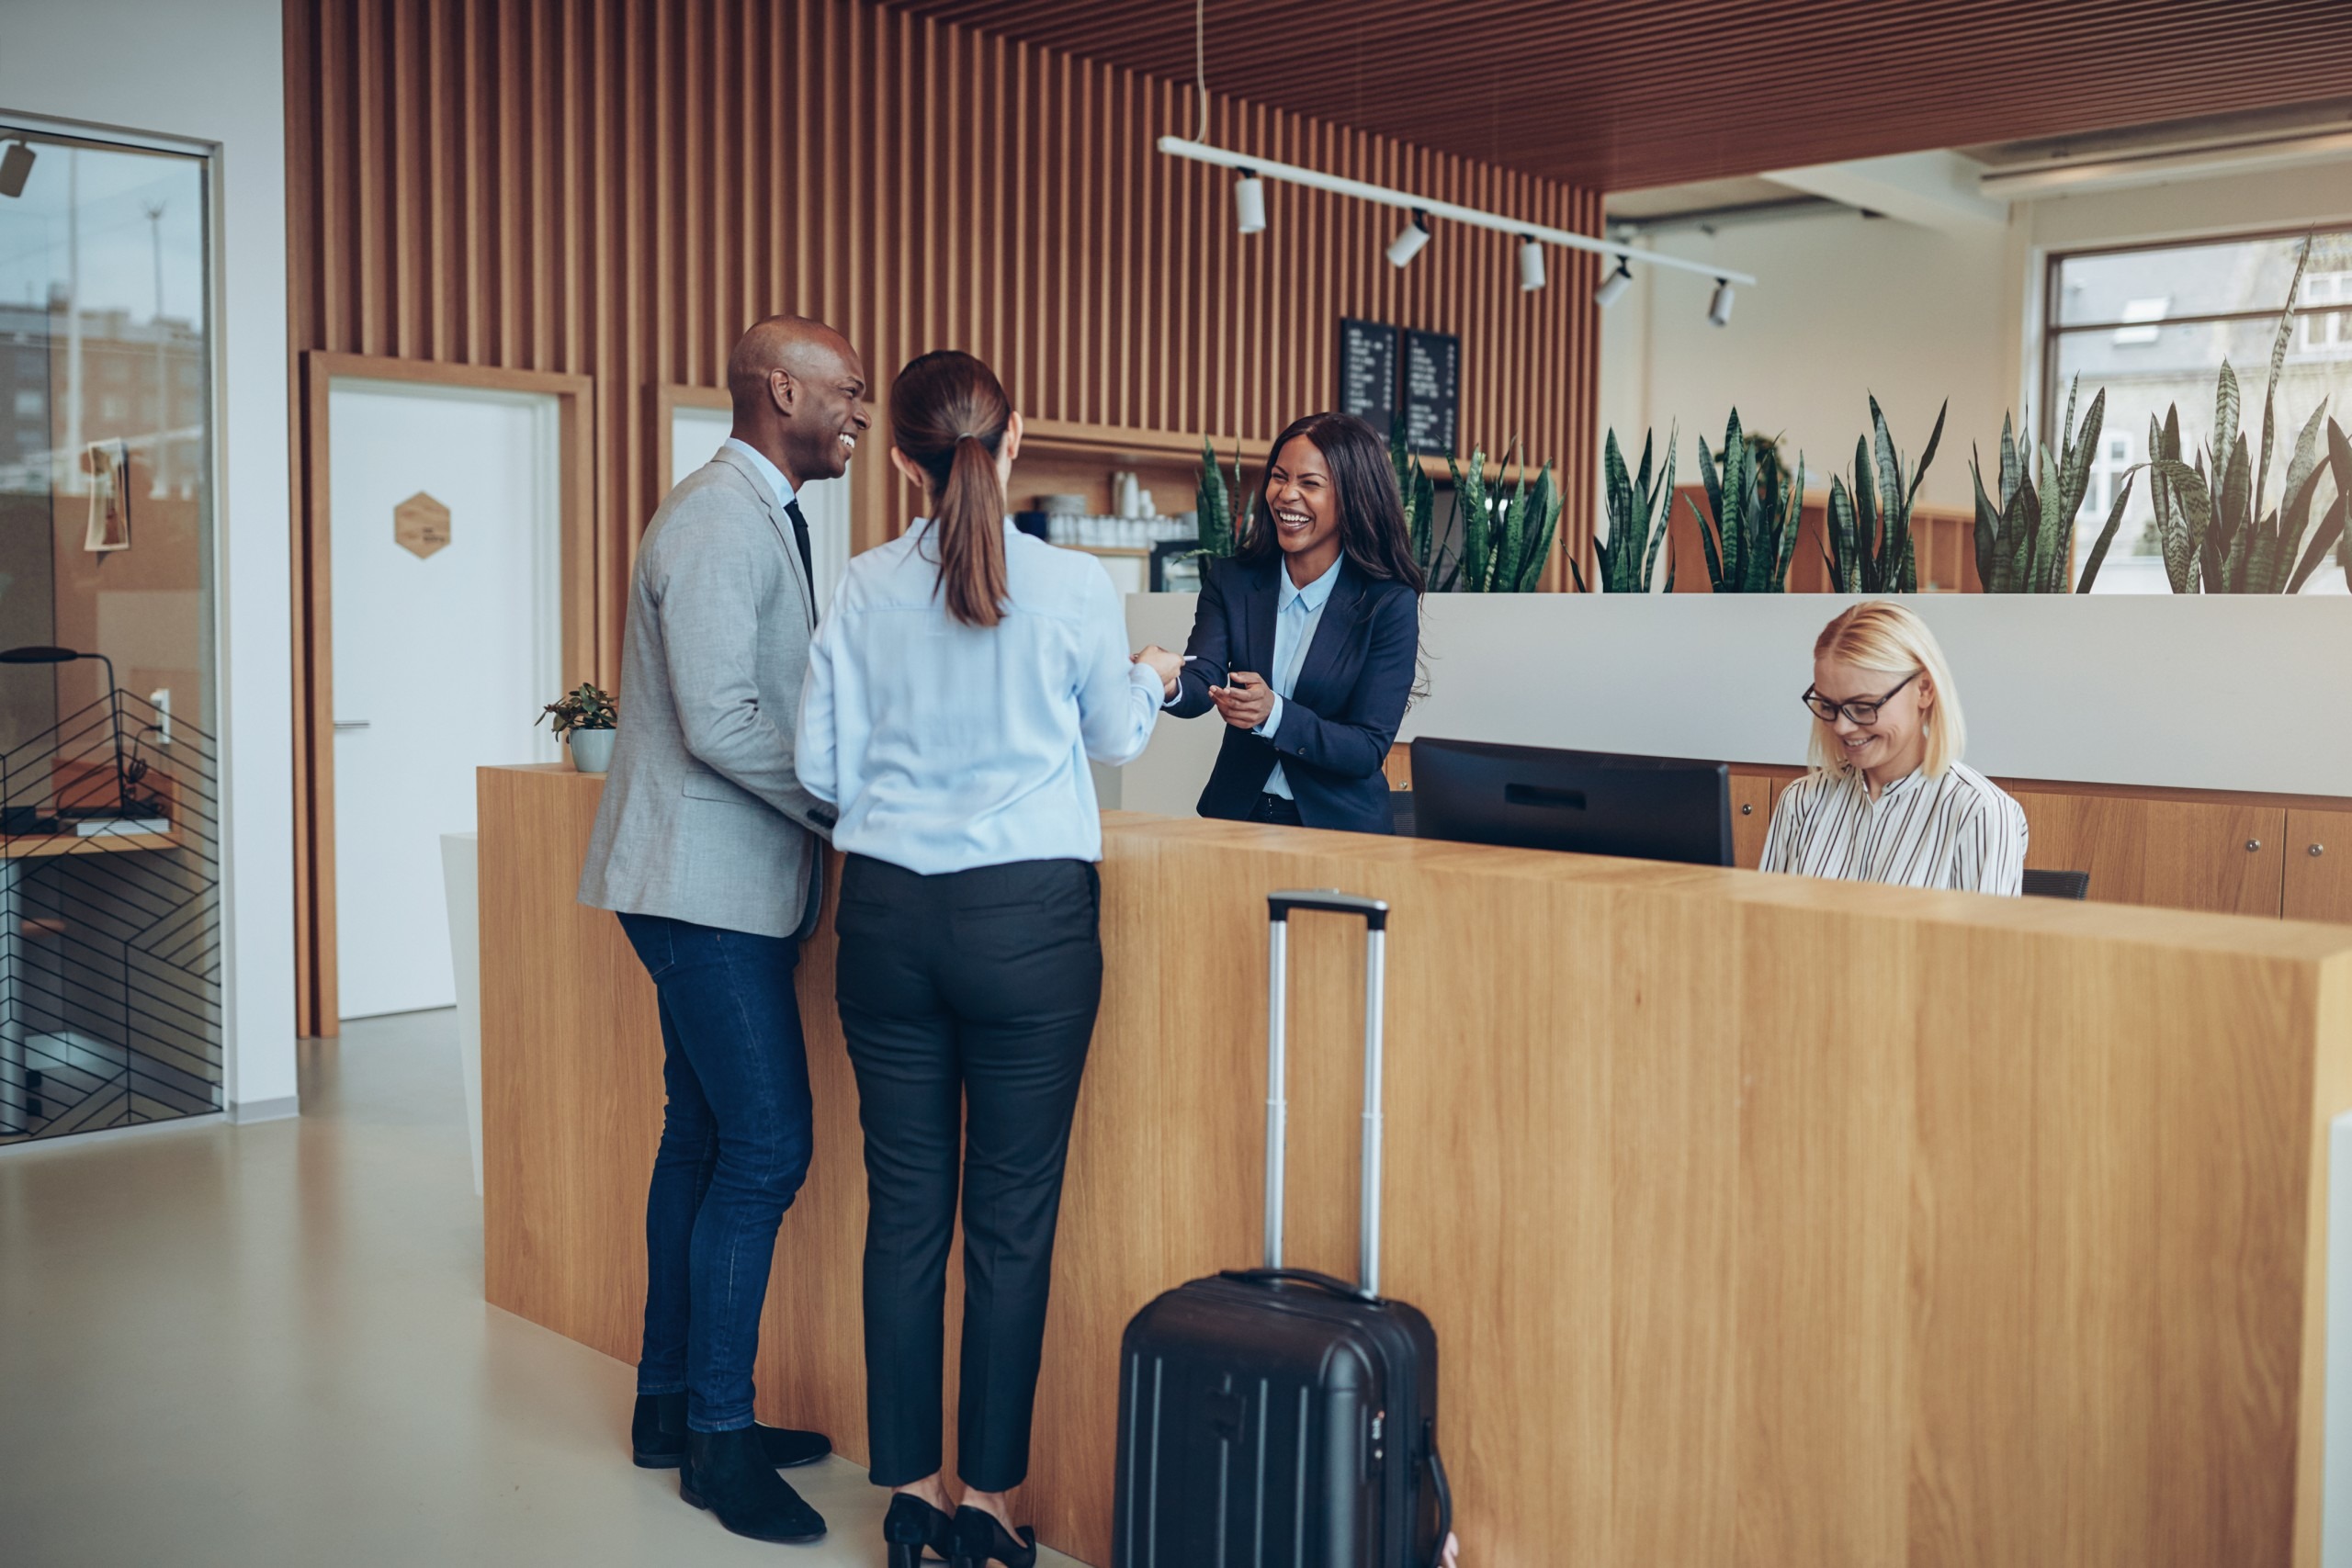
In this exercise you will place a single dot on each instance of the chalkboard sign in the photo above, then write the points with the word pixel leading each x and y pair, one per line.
pixel 1368 372
pixel 1432 392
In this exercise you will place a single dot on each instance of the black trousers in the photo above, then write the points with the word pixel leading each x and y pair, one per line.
pixel 1279 809
pixel 969 992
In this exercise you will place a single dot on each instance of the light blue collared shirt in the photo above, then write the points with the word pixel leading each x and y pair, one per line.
pixel 1297 612
pixel 765 470
pixel 947 747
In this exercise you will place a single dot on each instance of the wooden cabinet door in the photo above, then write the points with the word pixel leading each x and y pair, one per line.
pixel 2319 865
pixel 2217 856
pixel 1751 816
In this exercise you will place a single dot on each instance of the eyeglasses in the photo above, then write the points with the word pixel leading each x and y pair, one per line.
pixel 1862 710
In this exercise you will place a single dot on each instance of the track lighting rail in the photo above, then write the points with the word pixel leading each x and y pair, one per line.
pixel 1200 153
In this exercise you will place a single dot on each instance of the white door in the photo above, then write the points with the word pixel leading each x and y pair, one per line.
pixel 695 433
pixel 443 652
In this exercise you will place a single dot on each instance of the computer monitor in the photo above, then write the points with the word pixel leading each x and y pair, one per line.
pixel 1597 803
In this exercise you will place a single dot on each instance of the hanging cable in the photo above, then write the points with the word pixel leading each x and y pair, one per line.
pixel 1201 62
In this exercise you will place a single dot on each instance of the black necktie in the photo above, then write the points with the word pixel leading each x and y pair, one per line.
pixel 800 536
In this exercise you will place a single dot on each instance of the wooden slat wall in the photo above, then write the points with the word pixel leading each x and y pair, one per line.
pixel 616 188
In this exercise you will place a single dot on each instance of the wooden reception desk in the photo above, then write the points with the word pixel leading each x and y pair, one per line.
pixel 1763 1220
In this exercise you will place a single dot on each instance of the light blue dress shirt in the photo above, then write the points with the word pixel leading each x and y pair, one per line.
pixel 946 746
pixel 1297 612
pixel 765 470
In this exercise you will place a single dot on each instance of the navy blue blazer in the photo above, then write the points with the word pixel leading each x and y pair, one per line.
pixel 1337 727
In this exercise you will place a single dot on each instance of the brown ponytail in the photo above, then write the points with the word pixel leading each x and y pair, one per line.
pixel 948 414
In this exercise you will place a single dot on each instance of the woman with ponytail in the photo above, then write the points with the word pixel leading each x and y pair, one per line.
pixel 961 679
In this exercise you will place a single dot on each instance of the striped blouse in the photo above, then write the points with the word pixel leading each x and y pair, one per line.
pixel 1958 832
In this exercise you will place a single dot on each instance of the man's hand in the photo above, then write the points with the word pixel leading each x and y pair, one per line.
pixel 1246 701
pixel 1166 665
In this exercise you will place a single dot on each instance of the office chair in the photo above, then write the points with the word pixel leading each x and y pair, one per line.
pixel 2057 885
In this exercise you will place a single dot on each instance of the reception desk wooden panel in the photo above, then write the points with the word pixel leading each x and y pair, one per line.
pixel 1763 1221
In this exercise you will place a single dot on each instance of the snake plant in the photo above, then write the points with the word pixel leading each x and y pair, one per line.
pixel 1504 541
pixel 1418 493
pixel 2025 540
pixel 1869 544
pixel 1212 502
pixel 1751 535
pixel 2215 537
pixel 1639 518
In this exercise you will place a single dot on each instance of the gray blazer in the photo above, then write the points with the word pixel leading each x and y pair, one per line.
pixel 704 819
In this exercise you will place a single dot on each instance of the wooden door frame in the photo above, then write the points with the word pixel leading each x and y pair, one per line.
pixel 316 994
pixel 668 398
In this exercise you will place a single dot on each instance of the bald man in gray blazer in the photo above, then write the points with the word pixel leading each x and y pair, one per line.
pixel 713 856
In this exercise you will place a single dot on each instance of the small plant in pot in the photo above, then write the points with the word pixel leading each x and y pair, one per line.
pixel 586 718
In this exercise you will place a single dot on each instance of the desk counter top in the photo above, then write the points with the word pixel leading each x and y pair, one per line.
pixel 1762 1220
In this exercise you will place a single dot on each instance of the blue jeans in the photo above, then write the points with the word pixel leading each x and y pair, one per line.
pixel 735 1145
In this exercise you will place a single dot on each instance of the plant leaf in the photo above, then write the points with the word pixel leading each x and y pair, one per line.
pixel 1845 570
pixel 2225 411
pixel 1737 517
pixel 2279 363
pixel 1658 518
pixel 2306 454
pixel 2183 512
pixel 2106 535
pixel 2075 462
pixel 1988 526
pixel 2012 471
pixel 2331 528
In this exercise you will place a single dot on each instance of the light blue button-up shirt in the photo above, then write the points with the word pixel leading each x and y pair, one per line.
pixel 1297 612
pixel 947 747
pixel 765 470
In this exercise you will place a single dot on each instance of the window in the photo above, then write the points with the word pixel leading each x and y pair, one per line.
pixel 2322 331
pixel 30 404
pixel 2150 326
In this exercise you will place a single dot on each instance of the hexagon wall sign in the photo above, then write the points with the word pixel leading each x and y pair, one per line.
pixel 420 524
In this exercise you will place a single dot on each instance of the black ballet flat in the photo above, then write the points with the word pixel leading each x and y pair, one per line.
pixel 981 1540
pixel 911 1526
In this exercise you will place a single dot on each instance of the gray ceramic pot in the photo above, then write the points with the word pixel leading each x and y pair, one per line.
pixel 591 750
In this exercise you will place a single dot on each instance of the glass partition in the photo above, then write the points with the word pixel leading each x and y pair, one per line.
pixel 109 925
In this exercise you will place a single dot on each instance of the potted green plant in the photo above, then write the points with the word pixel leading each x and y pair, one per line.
pixel 1753 507
pixel 586 717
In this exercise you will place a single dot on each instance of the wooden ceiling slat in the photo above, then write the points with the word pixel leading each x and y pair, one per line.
pixel 1639 93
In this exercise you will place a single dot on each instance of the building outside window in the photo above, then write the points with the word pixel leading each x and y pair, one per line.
pixel 2151 325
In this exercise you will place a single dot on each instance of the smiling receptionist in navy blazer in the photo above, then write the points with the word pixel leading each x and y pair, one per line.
pixel 1307 642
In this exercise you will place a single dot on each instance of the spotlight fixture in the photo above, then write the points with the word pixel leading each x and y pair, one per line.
pixel 16 166
pixel 1250 203
pixel 1409 238
pixel 1530 264
pixel 1719 307
pixel 1613 287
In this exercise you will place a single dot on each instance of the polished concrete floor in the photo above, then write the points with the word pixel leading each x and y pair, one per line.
pixel 267 1345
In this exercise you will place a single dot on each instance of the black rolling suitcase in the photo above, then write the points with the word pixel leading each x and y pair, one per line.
pixel 1274 1416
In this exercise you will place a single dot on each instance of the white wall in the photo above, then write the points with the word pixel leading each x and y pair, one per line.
pixel 214 71
pixel 1845 306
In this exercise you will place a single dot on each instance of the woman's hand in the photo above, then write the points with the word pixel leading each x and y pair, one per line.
pixel 1246 701
pixel 1166 665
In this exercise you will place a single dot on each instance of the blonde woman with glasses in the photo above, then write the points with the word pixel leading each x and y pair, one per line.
pixel 1888 798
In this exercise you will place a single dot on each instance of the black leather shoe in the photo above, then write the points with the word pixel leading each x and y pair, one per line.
pixel 981 1540
pixel 727 1473
pixel 912 1525
pixel 657 1436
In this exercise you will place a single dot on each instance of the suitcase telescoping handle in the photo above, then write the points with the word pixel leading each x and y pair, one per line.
pixel 1374 915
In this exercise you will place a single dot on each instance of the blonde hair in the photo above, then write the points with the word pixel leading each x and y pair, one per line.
pixel 1881 636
